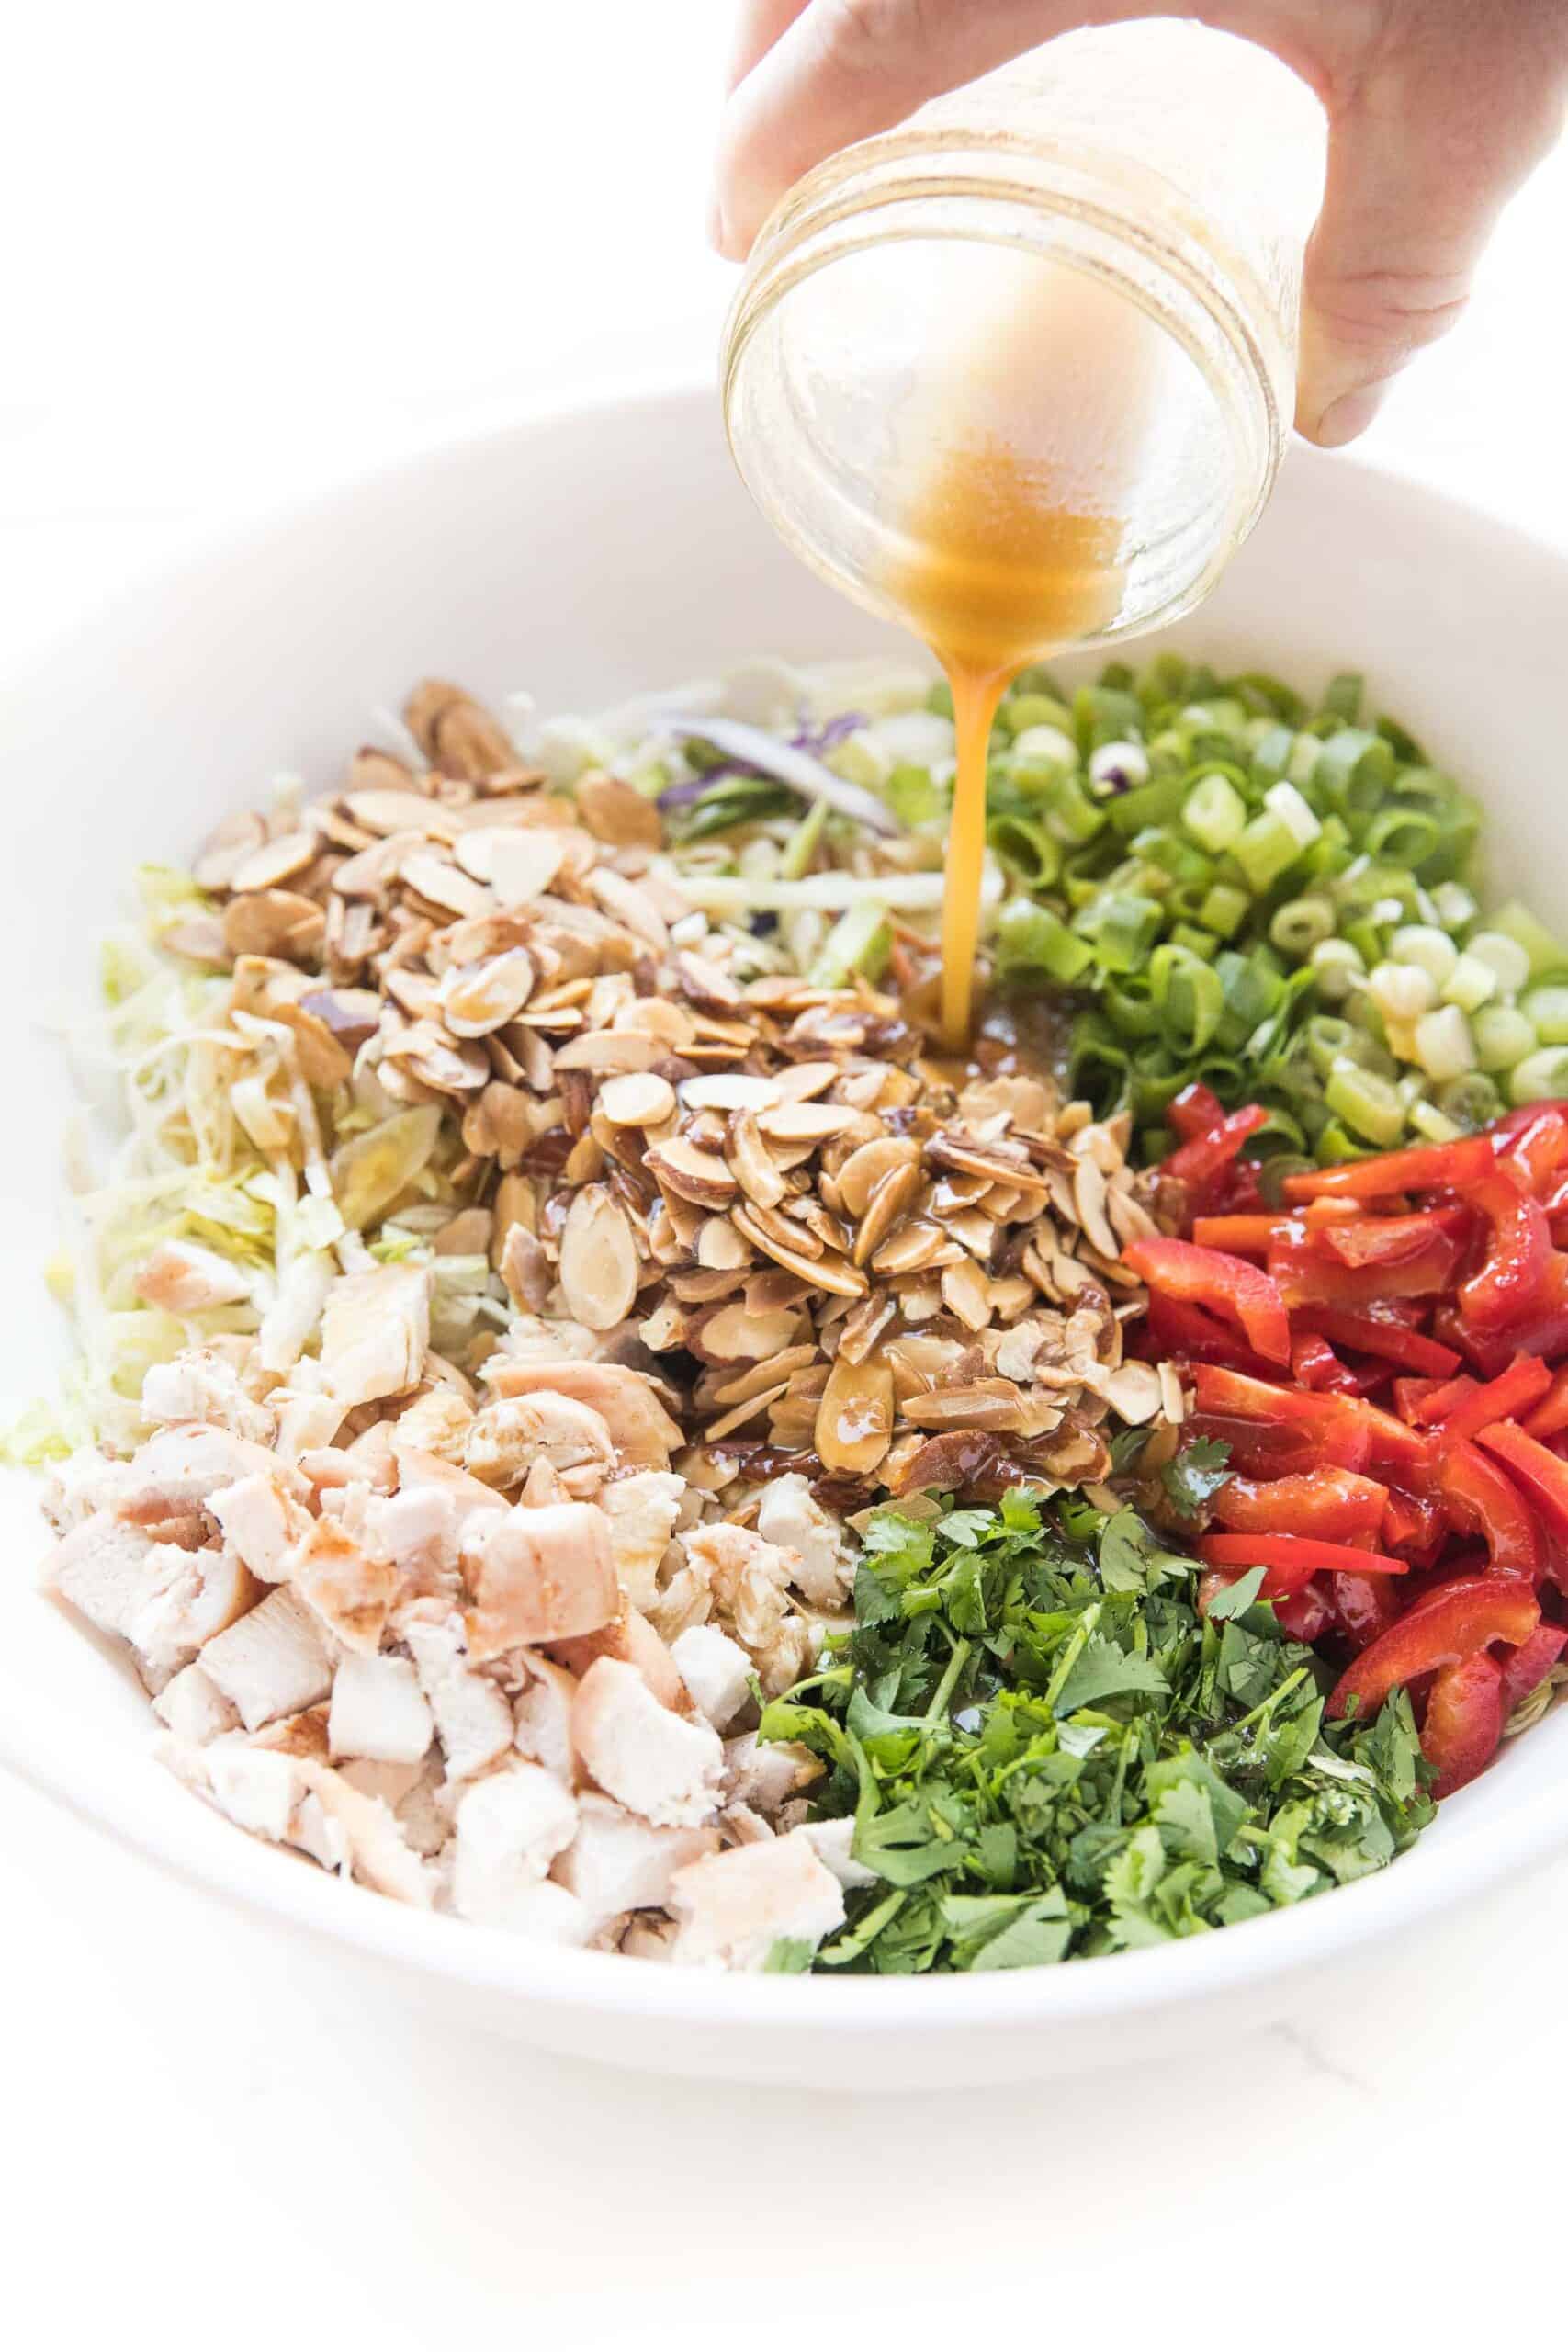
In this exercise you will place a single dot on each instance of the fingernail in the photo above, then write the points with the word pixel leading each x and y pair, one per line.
pixel 1347 416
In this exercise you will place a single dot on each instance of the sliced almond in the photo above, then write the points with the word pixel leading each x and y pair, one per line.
pixel 617 812
pixel 865 1167
pixel 729 1090
pixel 275 862
pixel 967 1293
pixel 604 1051
pixel 753 1166
pixel 445 885
pixel 978 1405
pixel 395 811
pixel 808 1123
pixel 626 904
pixel 892 1198
pixel 598 1260
pixel 272 923
pixel 853 1427
pixel 695 1175
pixel 865 1323
pixel 747 1411
pixel 916 1245
pixel 826 1273
pixel 1088 1193
pixel 720 1246
pixel 773 1372
pixel 731 1334
pixel 801 1080
pixel 487 996
pixel 637 1099
pixel 519 865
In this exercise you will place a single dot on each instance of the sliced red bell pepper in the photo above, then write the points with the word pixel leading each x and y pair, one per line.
pixel 1382 1335
pixel 1542 1333
pixel 1195 1110
pixel 1291 1560
pixel 1307 1277
pixel 1507 1398
pixel 1410 1396
pixel 1464 1721
pixel 1220 1390
pixel 1550 1415
pixel 1305 1615
pixel 1534 1139
pixel 1453 1621
pixel 1389 1241
pixel 1543 1477
pixel 1175 1329
pixel 1481 1500
pixel 1280 1449
pixel 1528 1666
pixel 1512 1277
pixel 1339 1506
pixel 1315 1364
pixel 1441 1397
pixel 1209 1278
pixel 1200 1161
pixel 1365 1607
pixel 1412 1525
pixel 1245 1236
pixel 1423 1168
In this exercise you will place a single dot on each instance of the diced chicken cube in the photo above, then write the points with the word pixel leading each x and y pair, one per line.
pixel 767 1773
pixel 378 1710
pixel 831 1842
pixel 541 1713
pixel 437 1422
pixel 194 1708
pixel 473 1721
pixel 733 1907
pixel 297 1800
pixel 510 1827
pixel 182 1278
pixel 261 1523
pixel 715 1671
pixel 272 1662
pixel 632 1639
pixel 350 1593
pixel 507 1436
pixel 643 1432
pixel 202 1386
pixel 642 1511
pixel 657 1763
pixel 111 1570
pixel 179 1468
pixel 212 1589
pixel 618 1862
pixel 292 1317
pixel 789 1515
pixel 375 1333
pixel 537 1576
pixel 750 1580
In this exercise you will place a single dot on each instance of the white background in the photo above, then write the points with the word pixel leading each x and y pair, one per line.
pixel 244 249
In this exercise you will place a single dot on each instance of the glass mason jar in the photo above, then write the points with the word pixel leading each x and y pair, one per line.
pixel 1162 166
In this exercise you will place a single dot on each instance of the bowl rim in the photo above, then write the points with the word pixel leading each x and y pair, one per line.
pixel 101 1780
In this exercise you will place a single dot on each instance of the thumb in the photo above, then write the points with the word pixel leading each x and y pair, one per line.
pixel 1427 143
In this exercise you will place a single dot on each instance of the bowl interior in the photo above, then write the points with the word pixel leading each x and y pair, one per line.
pixel 600 551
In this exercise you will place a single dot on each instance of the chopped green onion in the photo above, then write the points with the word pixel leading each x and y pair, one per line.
pixel 1503 1035
pixel 1423 945
pixel 1443 1044
pixel 1337 969
pixel 1369 1105
pixel 1470 1101
pixel 1401 991
pixel 1508 958
pixel 1122 927
pixel 1302 925
pixel 1264 848
pixel 1517 923
pixel 1548 1009
pixel 1032 943
pixel 1224 909
pixel 1433 1124
pixel 861 941
pixel 1540 1078
pixel 1470 984
pixel 1214 813
pixel 1293 812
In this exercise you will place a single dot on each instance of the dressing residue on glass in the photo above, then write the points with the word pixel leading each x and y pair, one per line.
pixel 1017 534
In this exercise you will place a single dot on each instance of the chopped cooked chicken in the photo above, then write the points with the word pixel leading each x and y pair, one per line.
pixel 633 1640
pixel 194 1708
pixel 541 1714
pixel 299 1800
pixel 715 1671
pixel 642 1511
pixel 212 1589
pixel 831 1842
pixel 509 1826
pixel 643 1432
pixel 504 1439
pixel 202 1386
pixel 182 1278
pixel 749 1579
pixel 733 1907
pixel 178 1468
pixel 768 1773
pixel 378 1710
pixel 537 1576
pixel 375 1333
pixel 789 1515
pixel 656 1763
pixel 261 1523
pixel 414 1530
pixel 111 1570
pixel 272 1662
pixel 473 1722
pixel 350 1593
pixel 291 1319
pixel 617 1862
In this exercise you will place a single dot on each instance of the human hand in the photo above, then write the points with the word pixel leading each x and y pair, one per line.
pixel 1437 110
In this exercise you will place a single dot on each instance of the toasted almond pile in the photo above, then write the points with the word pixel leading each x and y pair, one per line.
pixel 892 1271
pixel 483 1628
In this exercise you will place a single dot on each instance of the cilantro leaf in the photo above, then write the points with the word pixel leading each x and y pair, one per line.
pixel 1196 1473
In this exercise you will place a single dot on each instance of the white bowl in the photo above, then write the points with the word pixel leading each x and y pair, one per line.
pixel 585 554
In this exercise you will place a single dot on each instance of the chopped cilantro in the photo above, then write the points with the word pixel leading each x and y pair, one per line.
pixel 1049 1753
pixel 1196 1473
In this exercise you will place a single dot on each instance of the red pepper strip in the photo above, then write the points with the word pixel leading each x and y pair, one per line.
pixel 1413 1523
pixel 1534 1139
pixel 1315 1364
pixel 1542 1476
pixel 1410 1395
pixel 1365 1605
pixel 1308 1278
pixel 1531 1664
pixel 1423 1168
pixel 1442 1396
pixel 1195 1110
pixel 1221 1390
pixel 1177 1329
pixel 1382 1336
pixel 1552 1414
pixel 1507 1398
pixel 1180 1269
pixel 1542 1333
pixel 1464 1721
pixel 1389 1241
pixel 1481 1500
pixel 1453 1621
pixel 1513 1275
pixel 1245 1236
pixel 1202 1158
pixel 1291 1560
pixel 1338 1505
pixel 1306 1614
pixel 1279 1448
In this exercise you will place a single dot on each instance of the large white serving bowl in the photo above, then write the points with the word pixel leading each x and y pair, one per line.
pixel 585 553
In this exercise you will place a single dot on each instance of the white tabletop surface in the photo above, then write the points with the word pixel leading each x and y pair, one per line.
pixel 244 249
